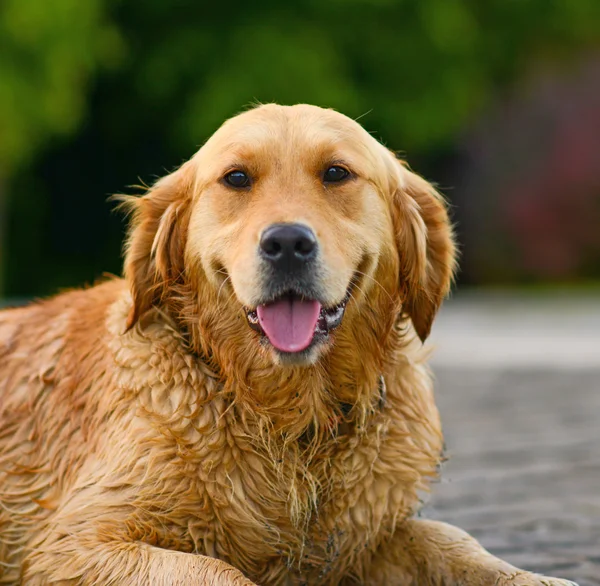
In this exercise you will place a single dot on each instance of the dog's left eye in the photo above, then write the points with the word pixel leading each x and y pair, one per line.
pixel 335 174
pixel 237 179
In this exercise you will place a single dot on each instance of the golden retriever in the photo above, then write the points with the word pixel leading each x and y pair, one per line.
pixel 251 403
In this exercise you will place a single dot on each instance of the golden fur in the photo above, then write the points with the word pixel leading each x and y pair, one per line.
pixel 148 437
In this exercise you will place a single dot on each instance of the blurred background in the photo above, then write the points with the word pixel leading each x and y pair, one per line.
pixel 496 101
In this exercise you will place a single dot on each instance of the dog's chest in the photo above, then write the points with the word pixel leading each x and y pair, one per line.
pixel 269 512
pixel 272 515
pixel 220 488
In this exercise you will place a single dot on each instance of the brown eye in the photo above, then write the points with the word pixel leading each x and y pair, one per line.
pixel 335 174
pixel 237 179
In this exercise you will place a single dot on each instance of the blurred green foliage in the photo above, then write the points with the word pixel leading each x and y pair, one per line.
pixel 50 49
pixel 139 85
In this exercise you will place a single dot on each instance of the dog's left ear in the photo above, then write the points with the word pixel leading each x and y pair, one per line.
pixel 426 247
pixel 154 253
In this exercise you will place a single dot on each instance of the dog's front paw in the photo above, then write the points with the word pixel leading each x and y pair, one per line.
pixel 528 579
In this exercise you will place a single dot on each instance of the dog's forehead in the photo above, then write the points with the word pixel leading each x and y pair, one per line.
pixel 272 128
pixel 295 120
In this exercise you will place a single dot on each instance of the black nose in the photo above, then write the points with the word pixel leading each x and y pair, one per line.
pixel 288 246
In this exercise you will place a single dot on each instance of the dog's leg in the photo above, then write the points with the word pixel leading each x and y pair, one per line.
pixel 431 553
pixel 69 562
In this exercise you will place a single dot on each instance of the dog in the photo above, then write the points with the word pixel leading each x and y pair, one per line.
pixel 251 403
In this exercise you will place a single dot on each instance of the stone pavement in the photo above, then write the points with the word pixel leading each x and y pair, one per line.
pixel 518 386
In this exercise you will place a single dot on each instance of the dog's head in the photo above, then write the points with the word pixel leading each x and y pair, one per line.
pixel 280 229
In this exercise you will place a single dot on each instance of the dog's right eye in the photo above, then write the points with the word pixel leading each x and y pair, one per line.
pixel 237 179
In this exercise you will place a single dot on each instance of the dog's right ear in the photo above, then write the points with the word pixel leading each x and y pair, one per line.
pixel 154 253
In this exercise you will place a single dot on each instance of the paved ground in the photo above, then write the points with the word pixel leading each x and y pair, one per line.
pixel 519 392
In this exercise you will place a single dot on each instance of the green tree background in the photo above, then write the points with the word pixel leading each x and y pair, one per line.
pixel 96 95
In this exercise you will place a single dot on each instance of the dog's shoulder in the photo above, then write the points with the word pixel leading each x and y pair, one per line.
pixel 56 334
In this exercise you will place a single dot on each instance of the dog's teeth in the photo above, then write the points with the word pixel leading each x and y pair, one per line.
pixel 334 317
pixel 253 322
pixel 321 324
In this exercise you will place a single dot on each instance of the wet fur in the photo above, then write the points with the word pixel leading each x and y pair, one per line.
pixel 147 438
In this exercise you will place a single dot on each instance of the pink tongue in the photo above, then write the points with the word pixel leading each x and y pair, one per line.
pixel 290 323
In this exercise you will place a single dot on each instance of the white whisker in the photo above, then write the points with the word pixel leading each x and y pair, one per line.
pixel 222 285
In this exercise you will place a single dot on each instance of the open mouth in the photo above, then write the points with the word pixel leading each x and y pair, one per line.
pixel 292 323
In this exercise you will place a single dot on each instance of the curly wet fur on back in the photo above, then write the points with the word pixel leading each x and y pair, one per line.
pixel 148 436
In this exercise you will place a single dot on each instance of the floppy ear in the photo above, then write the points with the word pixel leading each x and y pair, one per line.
pixel 426 246
pixel 155 248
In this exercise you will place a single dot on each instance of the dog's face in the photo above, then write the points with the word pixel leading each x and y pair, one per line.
pixel 290 214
